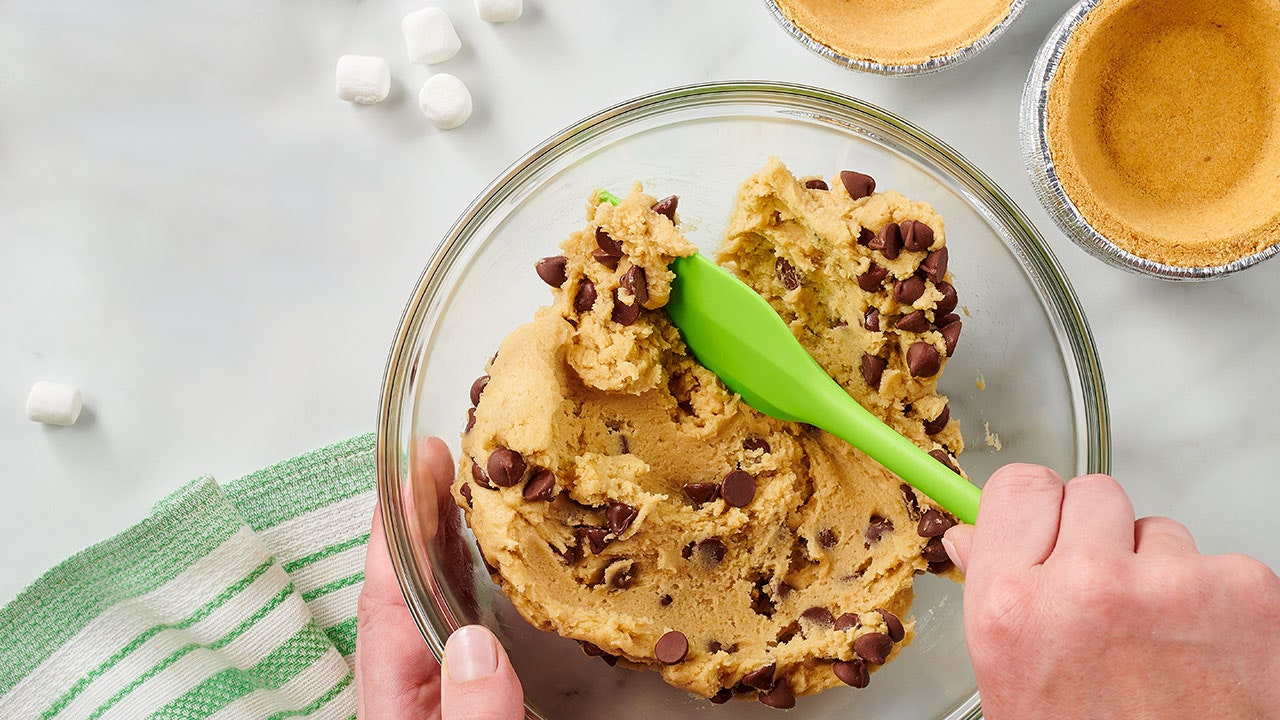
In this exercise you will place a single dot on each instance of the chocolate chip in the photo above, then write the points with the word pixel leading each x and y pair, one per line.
pixel 787 274
pixel 873 277
pixel 552 270
pixel 909 290
pixel 865 236
pixel 951 336
pixel 541 487
pixel 607 244
pixel 624 314
pixel 477 388
pixel 671 647
pixel 940 567
pixel 923 359
pixel 909 500
pixel 711 550
pixel 506 467
pixel 605 259
pixel 827 538
pixel 873 647
pixel 873 369
pixel 722 696
pixel 945 320
pixel 942 457
pixel 667 206
pixel 852 672
pixel 857 184
pixel 816 184
pixel 891 621
pixel 701 493
pixel 586 297
pixel 623 576
pixel 934 551
pixel 760 678
pixel 916 322
pixel 665 600
pixel 633 281
pixel 738 489
pixel 570 555
pixel 780 696
pixel 934 524
pixel 714 647
pixel 755 443
pixel 819 616
pixel 847 621
pixel 934 265
pixel 595 537
pixel 466 494
pixel 949 299
pixel 871 320
pixel 916 235
pixel 888 241
pixel 936 425
pixel 471 419
pixel 592 650
pixel 876 529
pixel 478 475
pixel 620 516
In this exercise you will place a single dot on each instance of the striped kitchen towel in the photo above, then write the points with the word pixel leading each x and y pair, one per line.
pixel 234 601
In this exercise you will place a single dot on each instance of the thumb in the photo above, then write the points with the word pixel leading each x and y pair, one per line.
pixel 479 682
pixel 957 542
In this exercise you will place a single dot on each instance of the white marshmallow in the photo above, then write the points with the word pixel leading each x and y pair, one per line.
pixel 496 11
pixel 53 403
pixel 445 101
pixel 363 79
pixel 429 36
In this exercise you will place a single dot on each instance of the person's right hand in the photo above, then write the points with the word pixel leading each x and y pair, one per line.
pixel 1074 610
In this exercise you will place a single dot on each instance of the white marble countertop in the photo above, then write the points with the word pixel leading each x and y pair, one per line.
pixel 197 233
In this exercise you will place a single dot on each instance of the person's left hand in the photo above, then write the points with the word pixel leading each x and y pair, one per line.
pixel 396 674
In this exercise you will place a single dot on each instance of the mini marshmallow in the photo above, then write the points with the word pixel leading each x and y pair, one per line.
pixel 363 79
pixel 53 403
pixel 429 36
pixel 496 11
pixel 445 101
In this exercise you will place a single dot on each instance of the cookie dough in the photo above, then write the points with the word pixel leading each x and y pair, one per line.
pixel 625 499
pixel 906 32
pixel 1164 131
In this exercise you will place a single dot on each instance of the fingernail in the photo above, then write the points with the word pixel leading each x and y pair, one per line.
pixel 950 547
pixel 470 654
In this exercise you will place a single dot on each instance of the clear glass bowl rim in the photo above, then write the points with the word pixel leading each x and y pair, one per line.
pixel 394 424
pixel 1034 131
pixel 931 65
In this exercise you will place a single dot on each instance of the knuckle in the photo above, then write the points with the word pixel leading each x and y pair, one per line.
pixel 1254 577
pixel 1022 478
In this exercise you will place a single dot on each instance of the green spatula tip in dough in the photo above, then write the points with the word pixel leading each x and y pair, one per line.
pixel 736 334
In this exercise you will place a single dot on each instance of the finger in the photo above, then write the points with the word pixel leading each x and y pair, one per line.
pixel 957 542
pixel 1097 517
pixel 479 681
pixel 1017 519
pixel 1162 536
pixel 427 493
pixel 432 469
pixel 396 674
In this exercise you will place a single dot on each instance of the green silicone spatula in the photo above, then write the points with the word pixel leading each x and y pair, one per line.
pixel 738 336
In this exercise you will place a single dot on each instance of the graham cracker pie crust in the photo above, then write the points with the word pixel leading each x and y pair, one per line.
pixel 1164 131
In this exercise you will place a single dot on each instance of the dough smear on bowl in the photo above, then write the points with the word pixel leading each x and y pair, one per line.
pixel 625 499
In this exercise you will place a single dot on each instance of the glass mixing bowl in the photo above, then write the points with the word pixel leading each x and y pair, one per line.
pixel 1027 370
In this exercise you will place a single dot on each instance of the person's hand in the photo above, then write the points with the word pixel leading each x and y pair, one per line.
pixel 397 677
pixel 1074 610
